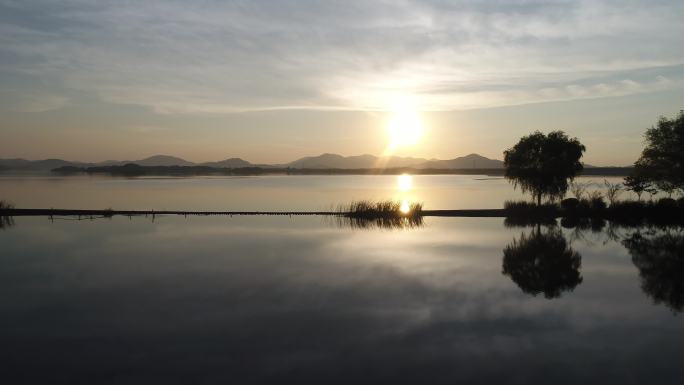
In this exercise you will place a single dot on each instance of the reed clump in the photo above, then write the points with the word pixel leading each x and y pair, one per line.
pixel 381 209
pixel 530 209
pixel 4 205
pixel 397 223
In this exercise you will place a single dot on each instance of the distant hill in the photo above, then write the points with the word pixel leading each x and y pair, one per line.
pixel 162 160
pixel 230 163
pixel 371 161
pixel 35 165
pixel 464 162
pixel 49 164
pixel 323 161
pixel 353 162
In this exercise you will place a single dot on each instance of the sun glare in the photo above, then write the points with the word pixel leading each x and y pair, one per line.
pixel 405 127
pixel 405 207
pixel 404 182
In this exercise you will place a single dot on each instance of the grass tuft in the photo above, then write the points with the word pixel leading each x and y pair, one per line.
pixel 380 209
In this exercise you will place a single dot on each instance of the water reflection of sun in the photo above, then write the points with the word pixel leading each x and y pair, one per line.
pixel 404 185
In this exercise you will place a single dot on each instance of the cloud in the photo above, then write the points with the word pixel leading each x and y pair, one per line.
pixel 223 57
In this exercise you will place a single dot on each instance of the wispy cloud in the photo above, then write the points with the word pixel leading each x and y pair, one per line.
pixel 222 57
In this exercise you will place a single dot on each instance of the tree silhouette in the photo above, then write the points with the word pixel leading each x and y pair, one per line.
pixel 638 184
pixel 542 262
pixel 662 160
pixel 660 260
pixel 543 164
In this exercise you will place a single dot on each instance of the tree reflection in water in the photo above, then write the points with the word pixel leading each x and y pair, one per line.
pixel 660 259
pixel 6 222
pixel 543 262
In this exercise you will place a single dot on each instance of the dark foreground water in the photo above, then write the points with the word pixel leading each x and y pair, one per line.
pixel 216 300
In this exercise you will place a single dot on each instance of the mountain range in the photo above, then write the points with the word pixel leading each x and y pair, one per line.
pixel 323 161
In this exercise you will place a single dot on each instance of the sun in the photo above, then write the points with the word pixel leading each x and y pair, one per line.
pixel 405 207
pixel 405 127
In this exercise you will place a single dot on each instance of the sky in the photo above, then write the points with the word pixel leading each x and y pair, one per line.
pixel 272 81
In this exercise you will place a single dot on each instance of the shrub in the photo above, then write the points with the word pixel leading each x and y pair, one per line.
pixel 521 213
pixel 613 191
pixel 629 206
pixel 578 189
pixel 570 203
pixel 597 203
pixel 530 208
pixel 584 205
pixel 666 203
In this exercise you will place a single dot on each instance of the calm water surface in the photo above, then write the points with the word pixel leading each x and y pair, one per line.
pixel 256 193
pixel 256 300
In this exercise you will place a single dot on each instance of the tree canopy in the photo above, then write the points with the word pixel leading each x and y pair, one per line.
pixel 662 160
pixel 543 164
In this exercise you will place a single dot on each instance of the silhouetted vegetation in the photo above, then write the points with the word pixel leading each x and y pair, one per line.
pixel 543 164
pixel 5 220
pixel 660 260
pixel 388 223
pixel 209 170
pixel 542 262
pixel 528 211
pixel 661 165
pixel 381 209
pixel 638 184
pixel 665 211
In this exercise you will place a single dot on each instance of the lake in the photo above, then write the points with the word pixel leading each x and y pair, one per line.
pixel 253 300
pixel 278 192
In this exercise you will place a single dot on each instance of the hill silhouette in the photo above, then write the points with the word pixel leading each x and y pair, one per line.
pixel 464 162
pixel 323 161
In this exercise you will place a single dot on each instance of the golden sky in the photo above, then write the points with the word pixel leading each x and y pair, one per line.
pixel 274 81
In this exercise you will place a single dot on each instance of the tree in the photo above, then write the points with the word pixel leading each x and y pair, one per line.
pixel 613 191
pixel 543 164
pixel 638 184
pixel 662 160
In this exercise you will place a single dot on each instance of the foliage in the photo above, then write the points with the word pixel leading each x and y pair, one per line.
pixel 639 184
pixel 529 209
pixel 569 203
pixel 597 203
pixel 543 164
pixel 613 191
pixel 578 189
pixel 666 204
pixel 662 160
